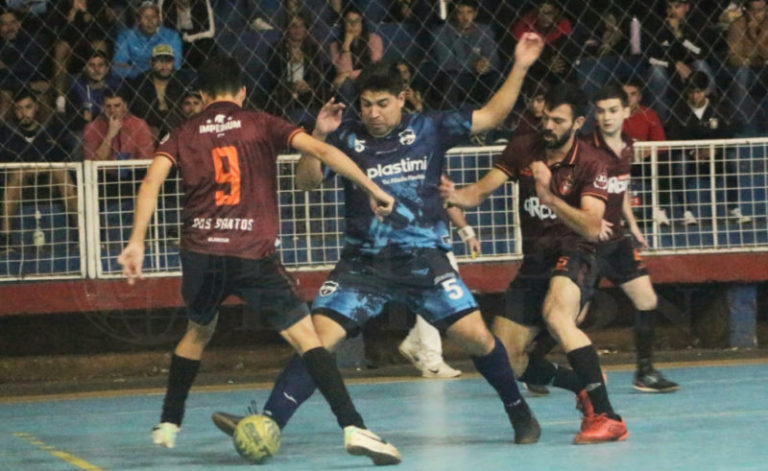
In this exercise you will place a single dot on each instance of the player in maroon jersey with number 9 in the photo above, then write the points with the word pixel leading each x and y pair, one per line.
pixel 227 159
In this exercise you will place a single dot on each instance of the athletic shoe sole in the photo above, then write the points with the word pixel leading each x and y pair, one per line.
pixel 226 422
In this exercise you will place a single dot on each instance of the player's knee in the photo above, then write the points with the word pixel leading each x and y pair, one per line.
pixel 202 334
pixel 476 340
pixel 647 302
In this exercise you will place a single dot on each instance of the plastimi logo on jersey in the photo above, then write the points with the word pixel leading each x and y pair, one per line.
pixel 405 165
pixel 534 207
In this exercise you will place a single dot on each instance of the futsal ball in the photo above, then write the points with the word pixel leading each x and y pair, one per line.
pixel 256 438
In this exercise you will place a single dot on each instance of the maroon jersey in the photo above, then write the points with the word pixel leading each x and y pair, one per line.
pixel 582 172
pixel 227 159
pixel 619 172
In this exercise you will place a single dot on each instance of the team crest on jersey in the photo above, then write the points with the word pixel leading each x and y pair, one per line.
pixel 601 181
pixel 407 137
pixel 328 288
pixel 566 185
pixel 359 145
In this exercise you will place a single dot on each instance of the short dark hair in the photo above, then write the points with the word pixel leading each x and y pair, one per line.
pixel 610 91
pixel 220 75
pixel 122 92
pixel 567 94
pixel 23 93
pixel 634 81
pixel 466 3
pixel 697 81
pixel 383 76
pixel 98 53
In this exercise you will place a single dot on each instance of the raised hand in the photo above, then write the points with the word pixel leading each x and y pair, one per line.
pixel 528 49
pixel 329 117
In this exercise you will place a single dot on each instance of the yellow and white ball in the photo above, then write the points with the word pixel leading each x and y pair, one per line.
pixel 256 438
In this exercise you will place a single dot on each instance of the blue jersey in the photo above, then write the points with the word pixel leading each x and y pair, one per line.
pixel 407 164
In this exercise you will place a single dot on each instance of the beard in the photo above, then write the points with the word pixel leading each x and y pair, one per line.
pixel 555 142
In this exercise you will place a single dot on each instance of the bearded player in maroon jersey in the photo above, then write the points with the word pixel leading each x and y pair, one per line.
pixel 227 159
pixel 562 186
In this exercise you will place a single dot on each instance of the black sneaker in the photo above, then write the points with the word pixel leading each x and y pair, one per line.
pixel 226 422
pixel 654 382
pixel 527 429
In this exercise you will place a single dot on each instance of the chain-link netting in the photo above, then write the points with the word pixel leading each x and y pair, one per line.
pixel 71 54
pixel 102 80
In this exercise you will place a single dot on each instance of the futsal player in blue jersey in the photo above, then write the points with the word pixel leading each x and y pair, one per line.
pixel 402 258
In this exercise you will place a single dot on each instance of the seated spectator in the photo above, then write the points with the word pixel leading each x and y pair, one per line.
pixel 133 50
pixel 418 12
pixel 698 117
pixel 747 58
pixel 547 21
pixel 116 134
pixel 414 99
pixel 301 75
pixel 191 104
pixel 605 49
pixel 28 140
pixel 194 20
pixel 22 55
pixel 86 93
pixel 643 124
pixel 356 48
pixel 156 93
pixel 467 56
pixel 674 54
pixel 529 120
pixel 81 26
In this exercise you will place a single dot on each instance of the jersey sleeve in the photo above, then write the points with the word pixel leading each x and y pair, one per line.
pixel 281 132
pixel 511 159
pixel 453 127
pixel 168 147
pixel 595 178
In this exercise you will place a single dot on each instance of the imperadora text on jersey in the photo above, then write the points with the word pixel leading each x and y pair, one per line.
pixel 231 224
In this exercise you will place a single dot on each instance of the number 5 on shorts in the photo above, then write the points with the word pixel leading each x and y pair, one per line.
pixel 453 288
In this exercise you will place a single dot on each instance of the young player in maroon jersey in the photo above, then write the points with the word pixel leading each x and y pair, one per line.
pixel 562 193
pixel 227 159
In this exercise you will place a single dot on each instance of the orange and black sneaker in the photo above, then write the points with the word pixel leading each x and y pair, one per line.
pixel 584 405
pixel 601 428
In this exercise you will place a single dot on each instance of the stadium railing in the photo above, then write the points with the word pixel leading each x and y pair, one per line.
pixel 311 223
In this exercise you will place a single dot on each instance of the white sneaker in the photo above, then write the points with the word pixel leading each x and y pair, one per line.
pixel 363 442
pixel 439 370
pixel 259 24
pixel 738 217
pixel 660 216
pixel 429 363
pixel 689 219
pixel 164 434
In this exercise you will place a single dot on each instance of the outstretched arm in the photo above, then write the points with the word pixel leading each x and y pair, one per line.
pixel 309 172
pixel 474 194
pixel 501 103
pixel 465 231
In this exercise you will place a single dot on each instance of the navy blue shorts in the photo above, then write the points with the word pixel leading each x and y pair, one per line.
pixel 360 286
pixel 619 261
pixel 263 284
pixel 525 295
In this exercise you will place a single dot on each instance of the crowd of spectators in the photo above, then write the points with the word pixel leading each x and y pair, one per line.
pixel 116 74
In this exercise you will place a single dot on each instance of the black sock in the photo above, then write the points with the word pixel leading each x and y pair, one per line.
pixel 292 388
pixel 542 344
pixel 586 364
pixel 180 378
pixel 543 372
pixel 323 370
pixel 496 369
pixel 644 336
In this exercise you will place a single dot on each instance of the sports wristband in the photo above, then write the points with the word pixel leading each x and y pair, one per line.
pixel 466 233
